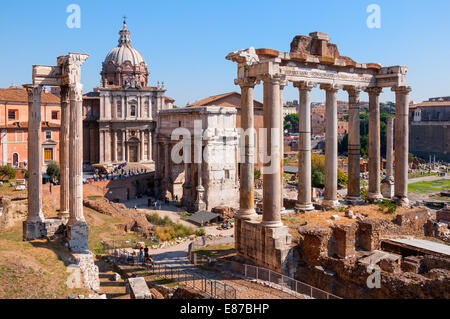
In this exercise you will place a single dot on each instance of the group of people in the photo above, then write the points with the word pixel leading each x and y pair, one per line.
pixel 156 204
pixel 144 256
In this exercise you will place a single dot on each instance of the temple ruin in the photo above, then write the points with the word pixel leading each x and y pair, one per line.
pixel 312 61
pixel 67 75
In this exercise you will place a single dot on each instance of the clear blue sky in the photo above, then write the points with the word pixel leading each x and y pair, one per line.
pixel 185 42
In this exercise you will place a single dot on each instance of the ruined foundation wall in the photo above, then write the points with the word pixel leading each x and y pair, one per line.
pixel 266 247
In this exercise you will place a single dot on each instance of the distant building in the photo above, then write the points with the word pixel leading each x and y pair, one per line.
pixel 233 99
pixel 14 127
pixel 429 130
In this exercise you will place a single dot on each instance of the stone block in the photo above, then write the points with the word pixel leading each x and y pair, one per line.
pixel 412 264
pixel 139 289
pixel 368 235
pixel 345 241
pixel 443 214
pixel 32 230
pixel 77 237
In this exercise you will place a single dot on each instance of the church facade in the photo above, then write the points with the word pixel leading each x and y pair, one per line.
pixel 120 115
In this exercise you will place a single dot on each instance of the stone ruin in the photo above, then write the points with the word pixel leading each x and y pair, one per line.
pixel 71 222
pixel 312 61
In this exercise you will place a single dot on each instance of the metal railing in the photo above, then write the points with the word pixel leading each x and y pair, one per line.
pixel 285 282
pixel 213 288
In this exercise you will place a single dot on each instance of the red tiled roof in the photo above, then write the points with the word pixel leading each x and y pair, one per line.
pixel 19 94
pixel 215 100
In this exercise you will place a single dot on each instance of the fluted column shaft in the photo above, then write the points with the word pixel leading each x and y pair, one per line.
pixel 247 196
pixel 390 148
pixel 64 151
pixel 401 144
pixel 76 154
pixel 331 148
pixel 374 144
pixel 124 146
pixel 35 213
pixel 271 170
pixel 354 147
pixel 304 202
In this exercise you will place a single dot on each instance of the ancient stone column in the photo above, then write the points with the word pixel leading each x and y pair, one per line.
pixel 271 169
pixel 354 147
pixel 283 84
pixel 374 144
pixel 32 226
pixel 304 202
pixel 388 182
pixel 200 201
pixel 247 197
pixel 401 144
pixel 124 146
pixel 64 151
pixel 331 148
pixel 78 230
pixel 142 145
pixel 114 145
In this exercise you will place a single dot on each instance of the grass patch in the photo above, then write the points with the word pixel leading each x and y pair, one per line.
pixel 216 250
pixel 430 187
pixel 167 229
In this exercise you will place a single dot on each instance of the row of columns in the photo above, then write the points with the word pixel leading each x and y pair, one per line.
pixel 71 156
pixel 112 138
pixel 71 150
pixel 272 180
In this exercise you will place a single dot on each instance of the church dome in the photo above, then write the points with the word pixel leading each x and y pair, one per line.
pixel 124 63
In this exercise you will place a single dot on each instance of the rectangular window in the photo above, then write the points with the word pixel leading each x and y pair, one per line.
pixel 12 114
pixel 48 154
pixel 133 110
pixel 55 115
pixel 48 135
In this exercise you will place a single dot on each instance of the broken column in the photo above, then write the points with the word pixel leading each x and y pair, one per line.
pixel 374 143
pixel 304 202
pixel 32 227
pixel 401 144
pixel 388 182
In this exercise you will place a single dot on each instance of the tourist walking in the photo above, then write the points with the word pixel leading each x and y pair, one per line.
pixel 141 255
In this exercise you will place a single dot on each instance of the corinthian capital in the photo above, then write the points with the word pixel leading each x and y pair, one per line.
pixel 33 91
pixel 76 92
pixel 331 87
pixel 246 82
pixel 305 86
pixel 273 78
pixel 374 90
pixel 401 89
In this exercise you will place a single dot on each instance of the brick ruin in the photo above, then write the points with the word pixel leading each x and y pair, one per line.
pixel 341 259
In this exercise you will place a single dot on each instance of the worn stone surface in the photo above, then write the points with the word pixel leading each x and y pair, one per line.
pixel 88 269
pixel 138 288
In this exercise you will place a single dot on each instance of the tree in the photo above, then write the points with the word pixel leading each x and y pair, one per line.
pixel 317 179
pixel 257 173
pixel 53 170
pixel 291 122
pixel 8 172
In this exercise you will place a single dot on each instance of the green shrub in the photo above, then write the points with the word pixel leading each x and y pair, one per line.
pixel 342 178
pixel 200 232
pixel 387 204
pixel 8 172
pixel 257 174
